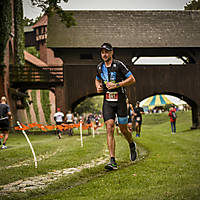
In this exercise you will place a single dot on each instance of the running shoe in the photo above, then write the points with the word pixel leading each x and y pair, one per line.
pixel 4 147
pixel 111 166
pixel 133 152
pixel 59 136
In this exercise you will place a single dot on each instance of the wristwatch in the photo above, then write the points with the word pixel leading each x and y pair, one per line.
pixel 117 84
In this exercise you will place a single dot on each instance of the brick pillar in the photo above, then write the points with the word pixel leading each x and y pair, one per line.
pixel 60 99
pixel 43 51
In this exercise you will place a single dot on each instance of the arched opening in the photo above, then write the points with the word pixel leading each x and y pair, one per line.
pixel 181 103
pixel 90 103
pixel 88 108
pixel 162 102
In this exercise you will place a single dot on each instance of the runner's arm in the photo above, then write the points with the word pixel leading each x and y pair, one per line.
pixel 99 86
pixel 129 81
pixel 132 108
pixel 9 115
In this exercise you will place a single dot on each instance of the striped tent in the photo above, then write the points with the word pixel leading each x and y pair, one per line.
pixel 156 100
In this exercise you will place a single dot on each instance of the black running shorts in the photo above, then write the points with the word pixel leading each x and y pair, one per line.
pixel 4 125
pixel 110 109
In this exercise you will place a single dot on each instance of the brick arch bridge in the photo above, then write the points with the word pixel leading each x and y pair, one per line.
pixel 133 34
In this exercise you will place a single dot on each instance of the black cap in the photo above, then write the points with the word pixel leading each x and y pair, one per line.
pixel 137 102
pixel 107 46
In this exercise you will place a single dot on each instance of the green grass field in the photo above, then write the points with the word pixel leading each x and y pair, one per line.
pixel 167 167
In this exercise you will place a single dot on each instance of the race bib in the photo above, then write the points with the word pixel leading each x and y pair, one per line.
pixel 138 118
pixel 112 96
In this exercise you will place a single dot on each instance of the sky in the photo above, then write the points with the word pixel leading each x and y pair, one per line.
pixel 32 12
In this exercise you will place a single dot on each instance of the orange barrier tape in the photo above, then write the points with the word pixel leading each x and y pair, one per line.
pixel 51 127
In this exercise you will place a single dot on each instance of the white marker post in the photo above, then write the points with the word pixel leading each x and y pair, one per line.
pixel 93 130
pixel 20 126
pixel 81 134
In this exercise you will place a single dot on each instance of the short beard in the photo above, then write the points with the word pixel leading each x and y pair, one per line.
pixel 108 59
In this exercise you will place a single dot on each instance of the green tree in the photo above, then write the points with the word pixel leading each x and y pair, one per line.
pixel 19 33
pixel 51 7
pixel 28 22
pixel 193 5
pixel 90 105
pixel 31 22
pixel 5 26
pixel 33 51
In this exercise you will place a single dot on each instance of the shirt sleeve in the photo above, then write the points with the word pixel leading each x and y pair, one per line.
pixel 98 76
pixel 125 71
pixel 8 108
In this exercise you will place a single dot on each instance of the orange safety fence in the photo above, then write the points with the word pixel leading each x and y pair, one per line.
pixel 52 127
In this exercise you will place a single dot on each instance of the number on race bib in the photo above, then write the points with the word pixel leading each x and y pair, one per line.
pixel 112 96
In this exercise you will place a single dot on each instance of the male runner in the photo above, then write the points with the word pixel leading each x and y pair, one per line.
pixel 138 111
pixel 130 115
pixel 112 76
pixel 58 117
pixel 5 116
pixel 69 119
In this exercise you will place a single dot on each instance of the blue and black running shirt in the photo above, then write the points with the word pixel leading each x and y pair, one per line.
pixel 116 73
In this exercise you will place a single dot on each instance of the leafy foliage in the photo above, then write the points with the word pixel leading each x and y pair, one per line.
pixel 35 106
pixel 44 97
pixel 193 5
pixel 19 33
pixel 31 22
pixel 5 24
pixel 90 105
pixel 33 51
pixel 28 22
pixel 51 7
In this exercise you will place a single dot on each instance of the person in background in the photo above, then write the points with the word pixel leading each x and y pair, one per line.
pixel 5 117
pixel 130 112
pixel 138 111
pixel 58 117
pixel 117 126
pixel 69 119
pixel 88 122
pixel 172 116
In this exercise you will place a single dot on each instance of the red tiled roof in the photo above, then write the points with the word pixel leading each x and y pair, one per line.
pixel 42 22
pixel 34 60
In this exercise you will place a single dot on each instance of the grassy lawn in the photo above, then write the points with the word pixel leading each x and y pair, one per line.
pixel 167 168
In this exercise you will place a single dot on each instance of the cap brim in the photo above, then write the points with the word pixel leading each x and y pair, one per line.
pixel 108 49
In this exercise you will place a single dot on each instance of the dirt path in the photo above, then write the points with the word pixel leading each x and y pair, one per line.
pixel 42 181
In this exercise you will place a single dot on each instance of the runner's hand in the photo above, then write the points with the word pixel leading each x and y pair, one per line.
pixel 110 85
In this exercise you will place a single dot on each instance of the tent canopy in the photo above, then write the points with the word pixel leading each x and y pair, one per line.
pixel 156 100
